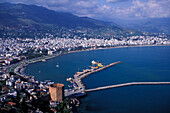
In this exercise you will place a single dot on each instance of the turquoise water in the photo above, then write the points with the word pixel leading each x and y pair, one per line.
pixel 139 64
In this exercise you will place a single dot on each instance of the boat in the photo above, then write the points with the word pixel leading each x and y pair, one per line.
pixel 57 65
pixel 69 85
pixel 94 67
pixel 100 65
pixel 69 79
pixel 43 60
pixel 93 62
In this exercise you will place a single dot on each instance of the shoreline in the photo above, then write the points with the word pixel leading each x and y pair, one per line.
pixel 39 59
pixel 115 47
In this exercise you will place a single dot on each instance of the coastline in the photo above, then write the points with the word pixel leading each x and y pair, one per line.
pixel 114 47
pixel 39 59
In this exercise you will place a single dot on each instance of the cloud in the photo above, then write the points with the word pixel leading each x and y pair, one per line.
pixel 107 9
pixel 149 9
pixel 112 1
pixel 86 4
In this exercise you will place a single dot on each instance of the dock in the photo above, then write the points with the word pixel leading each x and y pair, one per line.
pixel 97 70
pixel 78 79
pixel 127 84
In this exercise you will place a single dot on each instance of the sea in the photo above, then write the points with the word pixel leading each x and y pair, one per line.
pixel 147 64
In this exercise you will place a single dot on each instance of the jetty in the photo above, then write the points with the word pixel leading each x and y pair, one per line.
pixel 78 77
pixel 80 89
pixel 127 84
pixel 97 70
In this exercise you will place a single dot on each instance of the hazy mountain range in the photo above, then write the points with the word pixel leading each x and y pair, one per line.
pixel 156 25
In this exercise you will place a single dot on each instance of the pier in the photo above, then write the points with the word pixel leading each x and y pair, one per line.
pixel 97 70
pixel 127 84
pixel 80 90
pixel 77 78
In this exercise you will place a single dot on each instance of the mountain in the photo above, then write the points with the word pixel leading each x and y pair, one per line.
pixel 15 13
pixel 156 25
pixel 20 20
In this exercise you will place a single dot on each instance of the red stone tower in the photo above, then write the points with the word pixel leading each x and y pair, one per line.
pixel 57 92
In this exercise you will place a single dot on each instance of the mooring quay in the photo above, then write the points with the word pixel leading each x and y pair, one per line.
pixel 78 77
pixel 97 70
pixel 80 89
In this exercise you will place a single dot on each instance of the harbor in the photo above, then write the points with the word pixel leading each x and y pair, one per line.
pixel 79 87
pixel 128 71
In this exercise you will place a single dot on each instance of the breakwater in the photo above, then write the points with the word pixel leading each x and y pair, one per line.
pixel 80 89
pixel 127 84
pixel 97 70
pixel 78 77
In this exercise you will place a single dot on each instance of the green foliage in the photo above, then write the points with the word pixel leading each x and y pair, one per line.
pixel 62 107
pixel 31 53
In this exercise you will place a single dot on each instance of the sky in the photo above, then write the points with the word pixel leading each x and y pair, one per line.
pixel 106 9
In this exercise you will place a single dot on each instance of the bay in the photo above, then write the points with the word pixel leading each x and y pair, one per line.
pixel 139 64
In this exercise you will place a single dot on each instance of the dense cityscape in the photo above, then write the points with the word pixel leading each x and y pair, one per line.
pixel 21 46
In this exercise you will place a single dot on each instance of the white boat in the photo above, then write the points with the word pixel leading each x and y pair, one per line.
pixel 43 60
pixel 93 62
